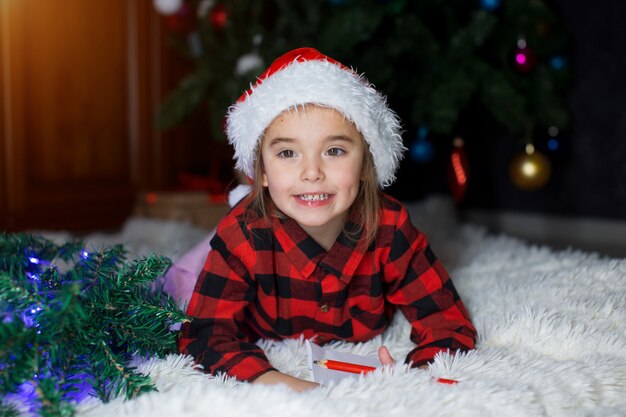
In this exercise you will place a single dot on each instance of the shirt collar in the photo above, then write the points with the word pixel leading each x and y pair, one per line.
pixel 305 253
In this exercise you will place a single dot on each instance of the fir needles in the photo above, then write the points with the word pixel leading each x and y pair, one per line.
pixel 72 320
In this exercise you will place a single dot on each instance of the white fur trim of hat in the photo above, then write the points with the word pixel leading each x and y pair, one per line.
pixel 306 76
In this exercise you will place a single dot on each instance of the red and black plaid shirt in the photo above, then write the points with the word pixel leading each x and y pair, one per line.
pixel 276 282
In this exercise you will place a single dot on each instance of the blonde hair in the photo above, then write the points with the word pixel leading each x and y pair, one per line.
pixel 366 206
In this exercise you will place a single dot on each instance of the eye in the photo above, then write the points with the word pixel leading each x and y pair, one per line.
pixel 335 152
pixel 286 153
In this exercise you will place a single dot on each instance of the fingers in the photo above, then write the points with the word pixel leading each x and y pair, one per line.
pixel 385 356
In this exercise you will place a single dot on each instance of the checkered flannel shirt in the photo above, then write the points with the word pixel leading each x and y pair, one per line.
pixel 276 282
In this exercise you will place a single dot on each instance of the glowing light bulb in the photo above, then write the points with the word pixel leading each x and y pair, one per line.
pixel 553 144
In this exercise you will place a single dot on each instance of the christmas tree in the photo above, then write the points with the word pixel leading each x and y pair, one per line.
pixel 438 62
pixel 72 320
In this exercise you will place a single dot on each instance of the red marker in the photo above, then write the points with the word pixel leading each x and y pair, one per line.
pixel 344 366
pixel 362 369
pixel 447 381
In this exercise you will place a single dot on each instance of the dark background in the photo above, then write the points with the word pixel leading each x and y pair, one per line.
pixel 589 170
pixel 79 154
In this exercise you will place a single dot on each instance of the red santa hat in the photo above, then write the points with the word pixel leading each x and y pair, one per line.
pixel 306 76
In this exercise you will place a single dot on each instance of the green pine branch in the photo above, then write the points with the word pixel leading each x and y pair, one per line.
pixel 70 316
pixel 433 60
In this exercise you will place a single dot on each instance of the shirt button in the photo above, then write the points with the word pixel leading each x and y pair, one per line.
pixel 325 308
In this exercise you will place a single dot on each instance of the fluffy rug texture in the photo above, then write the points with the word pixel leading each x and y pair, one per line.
pixel 551 324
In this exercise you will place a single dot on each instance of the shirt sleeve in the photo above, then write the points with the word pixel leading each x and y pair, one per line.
pixel 420 286
pixel 223 290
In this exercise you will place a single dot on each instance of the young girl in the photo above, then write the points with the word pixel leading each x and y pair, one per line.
pixel 316 249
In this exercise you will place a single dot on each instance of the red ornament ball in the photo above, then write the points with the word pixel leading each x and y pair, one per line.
pixel 183 21
pixel 218 16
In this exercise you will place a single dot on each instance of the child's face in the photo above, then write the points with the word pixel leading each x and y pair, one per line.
pixel 312 162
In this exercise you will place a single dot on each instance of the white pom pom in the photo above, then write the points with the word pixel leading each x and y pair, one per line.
pixel 238 193
pixel 168 7
pixel 249 62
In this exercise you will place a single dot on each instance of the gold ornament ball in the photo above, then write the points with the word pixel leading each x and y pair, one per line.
pixel 530 170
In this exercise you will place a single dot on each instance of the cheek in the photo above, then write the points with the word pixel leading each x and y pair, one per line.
pixel 276 182
pixel 352 176
pixel 350 180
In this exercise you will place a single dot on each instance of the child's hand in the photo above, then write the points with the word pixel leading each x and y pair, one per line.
pixel 385 356
pixel 386 359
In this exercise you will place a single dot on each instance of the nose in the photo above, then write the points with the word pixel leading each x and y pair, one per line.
pixel 312 169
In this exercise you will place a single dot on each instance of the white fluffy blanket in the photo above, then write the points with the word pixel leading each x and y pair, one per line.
pixel 552 340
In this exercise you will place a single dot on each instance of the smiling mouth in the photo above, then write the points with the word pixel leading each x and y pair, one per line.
pixel 314 197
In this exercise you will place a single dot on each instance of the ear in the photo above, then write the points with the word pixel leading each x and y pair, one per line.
pixel 265 183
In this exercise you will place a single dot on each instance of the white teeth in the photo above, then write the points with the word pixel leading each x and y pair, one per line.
pixel 313 197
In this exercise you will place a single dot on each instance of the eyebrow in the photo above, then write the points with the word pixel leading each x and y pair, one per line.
pixel 278 141
pixel 334 138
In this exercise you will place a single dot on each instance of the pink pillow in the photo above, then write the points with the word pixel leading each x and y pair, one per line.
pixel 180 279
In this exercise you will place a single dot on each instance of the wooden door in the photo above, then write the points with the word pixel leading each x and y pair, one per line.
pixel 78 88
